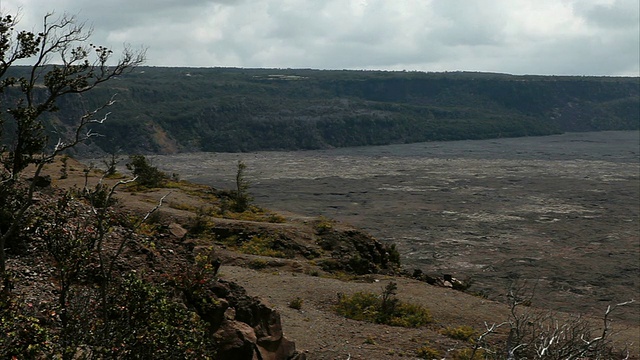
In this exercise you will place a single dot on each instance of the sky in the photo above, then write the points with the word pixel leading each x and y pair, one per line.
pixel 541 37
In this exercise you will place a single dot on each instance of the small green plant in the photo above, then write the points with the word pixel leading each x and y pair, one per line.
pixel 394 255
pixel 383 309
pixel 296 303
pixel 470 354
pixel 276 219
pixel 23 336
pixel 480 294
pixel 361 306
pixel 252 213
pixel 329 265
pixel 370 341
pixel 464 333
pixel 323 225
pixel 428 353
pixel 314 273
pixel 339 275
pixel 200 223
pixel 258 264
pixel 207 263
pixel 261 245
pixel 182 206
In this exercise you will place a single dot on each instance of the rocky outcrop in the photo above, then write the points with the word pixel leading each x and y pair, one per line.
pixel 357 252
pixel 243 327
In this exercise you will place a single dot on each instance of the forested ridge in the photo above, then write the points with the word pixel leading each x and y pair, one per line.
pixel 163 110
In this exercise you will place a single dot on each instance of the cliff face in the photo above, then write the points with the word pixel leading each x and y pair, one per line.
pixel 167 110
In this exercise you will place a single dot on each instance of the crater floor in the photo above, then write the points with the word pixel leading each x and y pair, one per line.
pixel 560 212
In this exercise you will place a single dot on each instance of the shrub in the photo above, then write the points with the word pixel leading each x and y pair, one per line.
pixel 410 315
pixel 251 213
pixel 330 265
pixel 22 336
pixel 470 354
pixel 146 175
pixel 261 245
pixel 394 255
pixel 200 223
pixel 361 306
pixel 383 309
pixel 182 206
pixel 296 303
pixel 257 264
pixel 145 323
pixel 359 265
pixel 464 333
pixel 369 341
pixel 323 225
pixel 276 219
pixel 207 265
pixel 428 353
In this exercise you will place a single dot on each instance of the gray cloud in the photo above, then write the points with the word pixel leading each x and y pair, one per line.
pixel 581 37
pixel 617 14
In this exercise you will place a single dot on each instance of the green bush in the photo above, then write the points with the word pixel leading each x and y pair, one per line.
pixel 140 321
pixel 323 225
pixel 22 336
pixel 383 309
pixel 369 341
pixel 296 303
pixel 428 353
pixel 394 255
pixel 470 354
pixel 146 175
pixel 464 333
pixel 200 223
pixel 263 245
pixel 257 264
pixel 145 323
pixel 361 306
pixel 410 315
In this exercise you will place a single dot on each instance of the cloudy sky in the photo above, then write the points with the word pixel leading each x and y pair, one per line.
pixel 548 37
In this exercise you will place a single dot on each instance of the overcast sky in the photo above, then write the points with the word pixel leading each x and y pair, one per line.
pixel 548 37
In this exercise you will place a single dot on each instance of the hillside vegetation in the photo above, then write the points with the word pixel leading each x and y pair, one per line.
pixel 166 110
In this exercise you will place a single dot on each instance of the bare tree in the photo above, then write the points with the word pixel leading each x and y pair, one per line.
pixel 545 335
pixel 538 334
pixel 63 62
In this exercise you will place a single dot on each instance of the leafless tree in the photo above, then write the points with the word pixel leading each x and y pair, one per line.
pixel 535 334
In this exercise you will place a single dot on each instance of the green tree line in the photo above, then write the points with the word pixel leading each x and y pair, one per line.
pixel 229 109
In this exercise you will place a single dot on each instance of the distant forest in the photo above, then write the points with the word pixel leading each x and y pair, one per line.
pixel 165 110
